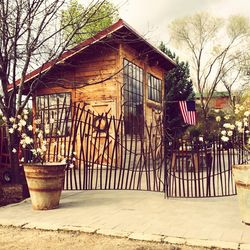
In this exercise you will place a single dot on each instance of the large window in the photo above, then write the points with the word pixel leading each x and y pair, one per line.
pixel 54 113
pixel 133 98
pixel 154 88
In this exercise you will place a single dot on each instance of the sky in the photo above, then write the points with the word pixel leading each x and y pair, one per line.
pixel 152 17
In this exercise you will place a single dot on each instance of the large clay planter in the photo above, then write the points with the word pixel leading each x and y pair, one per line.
pixel 45 183
pixel 242 179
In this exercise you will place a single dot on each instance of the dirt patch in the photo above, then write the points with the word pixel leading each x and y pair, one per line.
pixel 19 239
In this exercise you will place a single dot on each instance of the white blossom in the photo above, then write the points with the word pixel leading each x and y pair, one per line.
pixel 12 119
pixel 238 123
pixel 14 126
pixel 226 125
pixel 14 150
pixel 30 128
pixel 40 134
pixel 25 112
pixel 223 132
pixel 224 138
pixel 71 165
pixel 22 122
pixel 236 111
pixel 241 130
pixel 227 117
pixel 230 133
pixel 246 113
pixel 39 150
pixel 218 118
pixel 11 130
pixel 232 127
pixel 4 118
pixel 25 117
pixel 28 140
pixel 22 141
pixel 52 120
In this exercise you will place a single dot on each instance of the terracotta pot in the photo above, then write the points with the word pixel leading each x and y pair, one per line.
pixel 242 179
pixel 45 183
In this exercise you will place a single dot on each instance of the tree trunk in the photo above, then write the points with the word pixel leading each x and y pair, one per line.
pixel 13 143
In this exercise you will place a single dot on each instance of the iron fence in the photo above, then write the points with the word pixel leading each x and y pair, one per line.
pixel 101 155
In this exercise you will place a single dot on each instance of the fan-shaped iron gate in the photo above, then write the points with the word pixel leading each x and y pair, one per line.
pixel 103 156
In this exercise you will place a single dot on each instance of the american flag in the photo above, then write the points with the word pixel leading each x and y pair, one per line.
pixel 188 111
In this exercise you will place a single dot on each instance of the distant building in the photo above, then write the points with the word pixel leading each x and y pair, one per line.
pixel 220 100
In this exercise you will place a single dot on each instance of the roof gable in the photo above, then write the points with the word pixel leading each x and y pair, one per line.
pixel 119 25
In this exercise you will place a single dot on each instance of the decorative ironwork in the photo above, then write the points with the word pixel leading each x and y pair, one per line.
pixel 111 159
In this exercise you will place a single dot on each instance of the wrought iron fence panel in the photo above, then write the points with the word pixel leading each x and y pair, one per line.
pixel 101 154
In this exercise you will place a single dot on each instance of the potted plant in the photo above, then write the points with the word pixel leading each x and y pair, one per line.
pixel 45 179
pixel 238 127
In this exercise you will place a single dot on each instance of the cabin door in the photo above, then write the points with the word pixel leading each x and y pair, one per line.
pixel 101 135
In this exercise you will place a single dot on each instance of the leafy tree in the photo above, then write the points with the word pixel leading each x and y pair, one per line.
pixel 99 17
pixel 212 44
pixel 30 35
pixel 178 87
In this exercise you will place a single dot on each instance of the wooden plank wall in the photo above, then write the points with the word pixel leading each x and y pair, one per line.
pixel 89 74
pixel 88 78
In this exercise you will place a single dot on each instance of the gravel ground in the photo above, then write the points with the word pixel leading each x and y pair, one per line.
pixel 20 239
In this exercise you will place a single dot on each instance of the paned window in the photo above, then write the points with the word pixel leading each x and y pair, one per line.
pixel 54 113
pixel 154 88
pixel 133 98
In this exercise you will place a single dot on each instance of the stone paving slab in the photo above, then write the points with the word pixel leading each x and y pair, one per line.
pixel 213 222
pixel 244 246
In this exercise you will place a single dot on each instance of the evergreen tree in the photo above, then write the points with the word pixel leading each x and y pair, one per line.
pixel 178 87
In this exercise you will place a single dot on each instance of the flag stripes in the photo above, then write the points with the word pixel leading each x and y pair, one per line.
pixel 188 111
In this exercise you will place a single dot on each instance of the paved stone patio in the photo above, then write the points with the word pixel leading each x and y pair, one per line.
pixel 139 215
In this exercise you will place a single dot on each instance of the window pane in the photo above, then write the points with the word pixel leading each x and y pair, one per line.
pixel 54 106
pixel 154 88
pixel 133 101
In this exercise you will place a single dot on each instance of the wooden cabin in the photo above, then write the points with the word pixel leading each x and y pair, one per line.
pixel 116 72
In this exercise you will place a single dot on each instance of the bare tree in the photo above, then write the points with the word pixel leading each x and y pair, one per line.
pixel 213 44
pixel 31 34
pixel 235 76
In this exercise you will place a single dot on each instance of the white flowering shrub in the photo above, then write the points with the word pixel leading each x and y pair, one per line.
pixel 236 124
pixel 34 139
